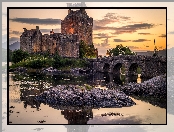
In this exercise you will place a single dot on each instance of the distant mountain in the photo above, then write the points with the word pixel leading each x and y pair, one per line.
pixel 15 45
pixel 150 53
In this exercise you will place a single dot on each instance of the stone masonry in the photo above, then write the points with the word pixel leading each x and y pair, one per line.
pixel 78 22
pixel 76 26
pixel 150 66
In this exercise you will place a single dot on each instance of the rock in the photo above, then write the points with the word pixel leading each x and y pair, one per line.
pixel 71 96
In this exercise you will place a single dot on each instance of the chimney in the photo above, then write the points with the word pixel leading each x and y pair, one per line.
pixel 25 29
pixel 37 27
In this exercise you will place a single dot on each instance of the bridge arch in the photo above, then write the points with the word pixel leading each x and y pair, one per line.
pixel 106 67
pixel 117 68
pixel 135 69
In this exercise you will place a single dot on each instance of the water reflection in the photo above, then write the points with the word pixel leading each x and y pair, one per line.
pixel 77 116
pixel 32 85
pixel 103 79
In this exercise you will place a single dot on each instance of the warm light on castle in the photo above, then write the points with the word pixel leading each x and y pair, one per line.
pixel 76 26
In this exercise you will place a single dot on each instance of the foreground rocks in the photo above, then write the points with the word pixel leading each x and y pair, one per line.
pixel 156 87
pixel 95 98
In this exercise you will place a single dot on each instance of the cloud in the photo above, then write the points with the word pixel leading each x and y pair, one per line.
pixel 162 35
pixel 102 35
pixel 104 44
pixel 15 33
pixel 133 47
pixel 160 47
pixel 103 22
pixel 140 40
pixel 120 40
pixel 171 32
pixel 57 30
pixel 144 33
pixel 114 16
pixel 110 18
pixel 133 28
pixel 126 29
pixel 34 21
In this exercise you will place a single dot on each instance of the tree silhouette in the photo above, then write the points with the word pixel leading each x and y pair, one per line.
pixel 120 50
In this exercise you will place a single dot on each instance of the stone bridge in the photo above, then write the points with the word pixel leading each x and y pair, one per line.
pixel 150 66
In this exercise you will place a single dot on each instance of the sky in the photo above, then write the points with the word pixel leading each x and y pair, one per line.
pixel 135 28
pixel 170 44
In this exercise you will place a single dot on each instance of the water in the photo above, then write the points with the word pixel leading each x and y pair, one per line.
pixel 23 87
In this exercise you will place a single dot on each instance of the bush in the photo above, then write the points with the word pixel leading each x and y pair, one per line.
pixel 19 55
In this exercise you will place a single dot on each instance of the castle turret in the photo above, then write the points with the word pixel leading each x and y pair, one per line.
pixel 37 27
pixel 78 22
pixel 69 11
pixel 25 29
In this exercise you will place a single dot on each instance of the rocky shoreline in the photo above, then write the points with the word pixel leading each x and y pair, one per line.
pixel 75 97
pixel 156 87
pixel 71 95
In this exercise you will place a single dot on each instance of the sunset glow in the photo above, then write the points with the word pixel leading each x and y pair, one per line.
pixel 135 28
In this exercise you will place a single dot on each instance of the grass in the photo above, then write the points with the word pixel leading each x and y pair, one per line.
pixel 39 62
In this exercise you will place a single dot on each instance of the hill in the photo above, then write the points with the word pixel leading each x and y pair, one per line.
pixel 15 45
pixel 150 53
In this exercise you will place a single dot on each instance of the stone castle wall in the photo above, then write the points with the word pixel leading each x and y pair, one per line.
pixel 78 22
pixel 76 26
pixel 31 40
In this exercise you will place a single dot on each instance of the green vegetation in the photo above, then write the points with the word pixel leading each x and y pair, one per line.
pixel 123 70
pixel 120 50
pixel 88 87
pixel 87 51
pixel 21 58
pixel 37 61
pixel 19 55
pixel 139 70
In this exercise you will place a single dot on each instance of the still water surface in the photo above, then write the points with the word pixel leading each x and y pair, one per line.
pixel 24 86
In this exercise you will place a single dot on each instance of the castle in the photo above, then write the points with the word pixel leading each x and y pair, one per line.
pixel 76 26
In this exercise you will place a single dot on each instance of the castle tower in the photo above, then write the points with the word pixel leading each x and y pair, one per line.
pixel 78 22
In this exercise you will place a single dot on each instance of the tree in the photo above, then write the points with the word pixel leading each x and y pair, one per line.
pixel 82 49
pixel 86 51
pixel 19 55
pixel 120 50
